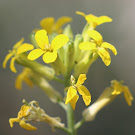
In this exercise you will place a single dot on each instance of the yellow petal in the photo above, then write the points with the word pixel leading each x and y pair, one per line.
pixel 80 13
pixel 24 48
pixel 73 101
pixel 109 46
pixel 91 18
pixel 50 57
pixel 18 81
pixel 26 126
pixel 105 56
pixel 61 21
pixel 42 38
pixel 12 66
pixel 47 24
pixel 96 36
pixel 117 87
pixel 103 19
pixel 128 96
pixel 59 41
pixel 28 81
pixel 81 79
pixel 70 94
pixel 12 120
pixel 85 94
pixel 87 46
pixel 18 43
pixel 25 111
pixel 36 53
pixel 6 59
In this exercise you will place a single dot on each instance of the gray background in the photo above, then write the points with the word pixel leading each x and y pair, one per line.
pixel 19 17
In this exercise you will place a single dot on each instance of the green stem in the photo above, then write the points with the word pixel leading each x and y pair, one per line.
pixel 70 120
pixel 64 129
pixel 79 124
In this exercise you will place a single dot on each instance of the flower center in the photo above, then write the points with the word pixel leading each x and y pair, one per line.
pixel 47 48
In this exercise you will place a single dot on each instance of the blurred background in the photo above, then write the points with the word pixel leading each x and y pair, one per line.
pixel 18 18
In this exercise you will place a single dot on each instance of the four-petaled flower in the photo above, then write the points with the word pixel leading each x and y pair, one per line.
pixel 24 112
pixel 98 46
pixel 94 19
pixel 50 25
pixel 24 76
pixel 118 88
pixel 72 95
pixel 18 48
pixel 49 50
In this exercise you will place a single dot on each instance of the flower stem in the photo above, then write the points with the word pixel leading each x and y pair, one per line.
pixel 70 120
pixel 65 130
pixel 79 124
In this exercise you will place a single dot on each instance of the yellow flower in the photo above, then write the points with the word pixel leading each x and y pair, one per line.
pixel 118 88
pixel 98 46
pixel 24 76
pixel 18 48
pixel 50 25
pixel 49 50
pixel 94 19
pixel 24 112
pixel 72 95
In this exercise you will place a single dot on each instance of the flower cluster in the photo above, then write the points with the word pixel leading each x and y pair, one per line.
pixel 69 56
pixel 32 112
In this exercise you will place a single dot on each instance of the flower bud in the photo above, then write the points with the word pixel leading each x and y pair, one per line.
pixel 58 66
pixel 53 95
pixel 68 31
pixel 32 39
pixel 83 66
pixel 42 70
pixel 106 97
pixel 88 27
pixel 78 51
pixel 52 36
pixel 69 56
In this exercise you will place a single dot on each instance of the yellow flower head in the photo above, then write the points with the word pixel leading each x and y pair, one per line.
pixel 24 76
pixel 119 88
pixel 50 25
pixel 18 48
pixel 24 112
pixel 49 50
pixel 94 19
pixel 72 95
pixel 98 46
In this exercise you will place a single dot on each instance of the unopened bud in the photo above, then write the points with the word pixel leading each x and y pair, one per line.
pixel 32 39
pixel 88 27
pixel 72 80
pixel 78 52
pixel 42 70
pixel 106 97
pixel 58 66
pixel 69 56
pixel 68 31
